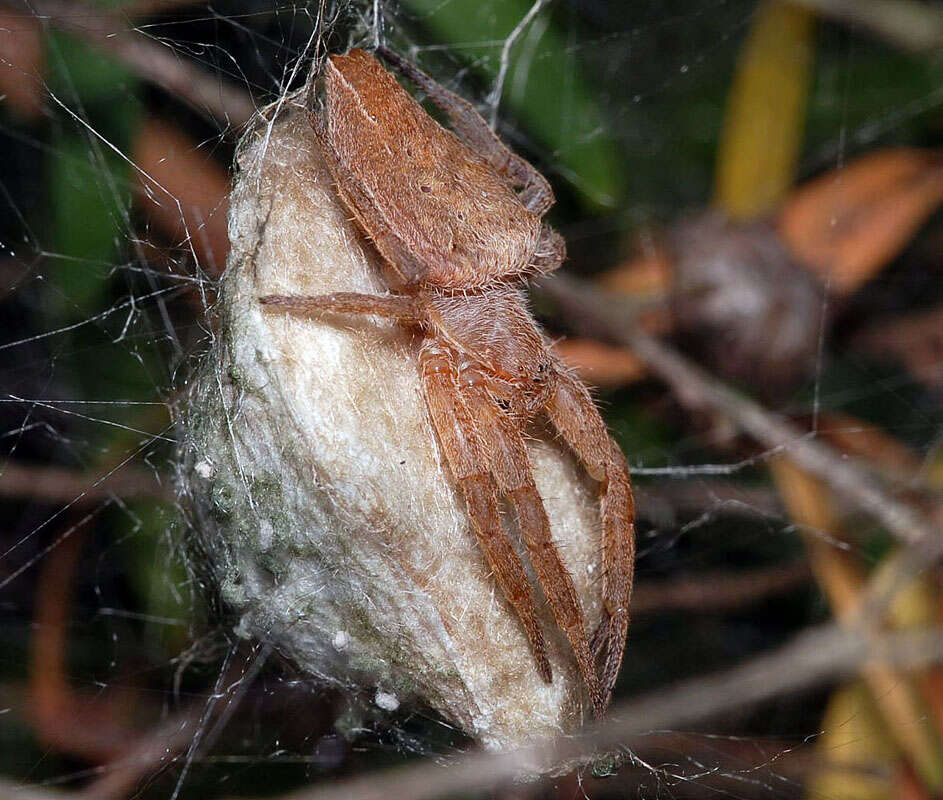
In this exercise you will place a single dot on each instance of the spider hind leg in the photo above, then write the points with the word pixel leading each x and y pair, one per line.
pixel 573 413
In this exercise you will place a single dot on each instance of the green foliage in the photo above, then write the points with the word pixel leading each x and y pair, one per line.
pixel 89 202
pixel 866 93
pixel 543 87
pixel 88 180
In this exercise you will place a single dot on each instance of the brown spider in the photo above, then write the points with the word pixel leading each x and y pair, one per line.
pixel 456 218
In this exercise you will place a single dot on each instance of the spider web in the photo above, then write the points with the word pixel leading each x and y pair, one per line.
pixel 111 254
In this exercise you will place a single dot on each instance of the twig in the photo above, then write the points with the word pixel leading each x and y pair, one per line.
pixel 14 790
pixel 718 591
pixel 915 339
pixel 230 105
pixel 589 308
pixel 820 654
pixel 494 98
pixel 664 502
pixel 909 24
pixel 49 484
pixel 150 752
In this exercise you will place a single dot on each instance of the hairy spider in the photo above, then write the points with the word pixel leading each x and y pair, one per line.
pixel 456 217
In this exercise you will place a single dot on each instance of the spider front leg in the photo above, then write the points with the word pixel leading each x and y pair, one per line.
pixel 573 413
pixel 396 307
pixel 453 423
pixel 550 251
pixel 510 465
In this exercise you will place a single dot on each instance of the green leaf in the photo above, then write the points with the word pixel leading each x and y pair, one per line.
pixel 88 180
pixel 89 199
pixel 766 112
pixel 543 88
pixel 81 73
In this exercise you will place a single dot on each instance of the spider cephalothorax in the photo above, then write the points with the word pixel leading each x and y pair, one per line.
pixel 456 218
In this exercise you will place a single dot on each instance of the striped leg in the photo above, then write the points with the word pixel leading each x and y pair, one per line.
pixel 456 432
pixel 504 445
pixel 573 413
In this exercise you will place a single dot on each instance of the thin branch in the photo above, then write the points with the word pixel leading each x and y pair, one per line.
pixel 915 339
pixel 716 592
pixel 723 496
pixel 597 314
pixel 48 484
pixel 821 654
pixel 14 790
pixel 147 755
pixel 906 23
pixel 230 105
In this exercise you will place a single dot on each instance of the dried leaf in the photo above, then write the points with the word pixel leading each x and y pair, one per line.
pixel 601 364
pixel 850 223
pixel 21 65
pixel 183 191
pixel 765 117
pixel 896 694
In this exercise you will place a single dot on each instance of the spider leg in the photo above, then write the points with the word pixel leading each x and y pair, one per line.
pixel 455 429
pixel 511 467
pixel 397 307
pixel 535 194
pixel 573 413
pixel 550 251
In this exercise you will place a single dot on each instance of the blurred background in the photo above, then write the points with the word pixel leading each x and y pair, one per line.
pixel 755 184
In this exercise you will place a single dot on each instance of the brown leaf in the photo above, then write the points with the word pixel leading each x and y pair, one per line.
pixel 600 364
pixel 183 191
pixel 21 65
pixel 850 223
pixel 859 438
pixel 646 275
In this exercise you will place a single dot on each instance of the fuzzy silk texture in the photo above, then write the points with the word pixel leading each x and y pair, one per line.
pixel 319 501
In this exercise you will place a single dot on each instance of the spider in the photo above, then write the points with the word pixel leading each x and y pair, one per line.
pixel 456 219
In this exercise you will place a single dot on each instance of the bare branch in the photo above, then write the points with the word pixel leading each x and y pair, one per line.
pixel 229 104
pixel 915 339
pixel 48 484
pixel 149 753
pixel 595 312
pixel 821 654
pixel 718 591
pixel 14 790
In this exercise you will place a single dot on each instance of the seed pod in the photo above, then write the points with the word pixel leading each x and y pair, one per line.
pixel 318 496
